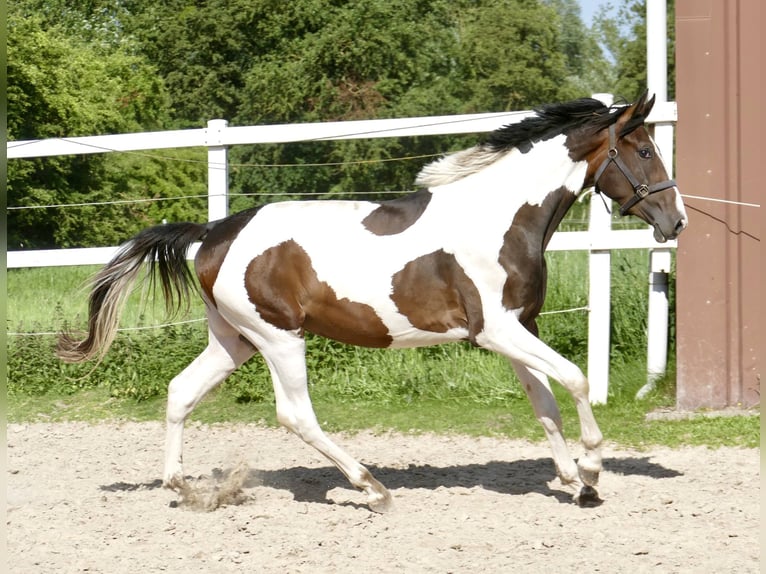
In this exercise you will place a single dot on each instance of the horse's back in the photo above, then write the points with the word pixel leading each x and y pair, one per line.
pixel 317 266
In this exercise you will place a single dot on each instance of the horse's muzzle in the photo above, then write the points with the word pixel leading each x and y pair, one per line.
pixel 661 236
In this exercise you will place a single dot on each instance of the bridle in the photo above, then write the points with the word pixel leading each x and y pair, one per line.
pixel 640 190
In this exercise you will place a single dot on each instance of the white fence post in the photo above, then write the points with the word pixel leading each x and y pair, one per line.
pixel 599 303
pixel 657 322
pixel 659 259
pixel 599 295
pixel 659 271
pixel 217 171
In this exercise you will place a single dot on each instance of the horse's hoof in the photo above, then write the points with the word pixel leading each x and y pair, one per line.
pixel 174 483
pixel 381 504
pixel 587 497
pixel 588 477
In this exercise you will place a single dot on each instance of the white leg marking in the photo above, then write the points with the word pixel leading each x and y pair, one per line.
pixel 505 335
pixel 285 354
pixel 224 353
pixel 547 412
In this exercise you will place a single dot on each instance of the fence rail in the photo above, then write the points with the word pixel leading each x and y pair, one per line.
pixel 599 240
pixel 219 133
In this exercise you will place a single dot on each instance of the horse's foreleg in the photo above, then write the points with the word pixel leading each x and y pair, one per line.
pixel 546 410
pixel 224 353
pixel 287 363
pixel 511 339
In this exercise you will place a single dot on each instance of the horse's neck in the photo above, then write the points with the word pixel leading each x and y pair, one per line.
pixel 534 189
pixel 562 201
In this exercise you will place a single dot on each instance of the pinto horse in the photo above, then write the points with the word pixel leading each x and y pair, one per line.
pixel 459 259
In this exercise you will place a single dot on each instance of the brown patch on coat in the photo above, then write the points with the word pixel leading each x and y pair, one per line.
pixel 593 148
pixel 436 295
pixel 286 292
pixel 522 254
pixel 216 246
pixel 394 216
pixel 584 147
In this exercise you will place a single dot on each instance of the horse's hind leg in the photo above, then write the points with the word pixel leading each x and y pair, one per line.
pixel 285 354
pixel 224 353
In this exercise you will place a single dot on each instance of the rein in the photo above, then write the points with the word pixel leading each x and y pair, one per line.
pixel 640 190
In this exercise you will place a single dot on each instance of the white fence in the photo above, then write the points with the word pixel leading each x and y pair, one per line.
pixel 599 240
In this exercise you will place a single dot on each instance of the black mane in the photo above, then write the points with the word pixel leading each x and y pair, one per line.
pixel 554 119
pixel 587 116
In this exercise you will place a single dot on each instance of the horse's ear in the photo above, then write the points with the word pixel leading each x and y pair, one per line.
pixel 635 114
pixel 640 102
pixel 644 106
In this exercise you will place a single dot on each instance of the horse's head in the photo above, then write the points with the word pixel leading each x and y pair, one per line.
pixel 627 167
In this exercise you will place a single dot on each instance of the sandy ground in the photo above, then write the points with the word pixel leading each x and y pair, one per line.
pixel 87 498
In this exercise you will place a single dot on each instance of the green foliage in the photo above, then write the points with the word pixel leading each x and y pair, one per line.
pixel 201 50
pixel 629 318
pixel 450 388
pixel 133 369
pixel 623 420
pixel 33 369
pixel 588 69
pixel 251 383
pixel 83 68
pixel 567 289
pixel 509 57
pixel 136 368
pixel 61 86
pixel 454 372
pixel 95 22
pixel 46 299
pixel 137 190
pixel 434 58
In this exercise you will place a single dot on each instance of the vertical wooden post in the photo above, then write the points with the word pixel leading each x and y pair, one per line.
pixel 657 49
pixel 217 171
pixel 719 68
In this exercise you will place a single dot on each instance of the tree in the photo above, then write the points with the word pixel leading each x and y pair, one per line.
pixel 624 33
pixel 589 69
pixel 342 65
pixel 95 66
pixel 431 57
pixel 60 86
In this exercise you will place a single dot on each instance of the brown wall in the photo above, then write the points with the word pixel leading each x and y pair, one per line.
pixel 719 152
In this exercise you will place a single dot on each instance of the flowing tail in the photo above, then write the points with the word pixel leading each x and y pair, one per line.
pixel 163 248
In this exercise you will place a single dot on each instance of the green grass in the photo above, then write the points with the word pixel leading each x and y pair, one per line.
pixel 447 389
pixel 45 299
pixel 622 421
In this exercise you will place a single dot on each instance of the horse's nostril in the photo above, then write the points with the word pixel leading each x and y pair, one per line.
pixel 681 225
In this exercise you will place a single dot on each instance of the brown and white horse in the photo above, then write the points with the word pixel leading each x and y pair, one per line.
pixel 460 259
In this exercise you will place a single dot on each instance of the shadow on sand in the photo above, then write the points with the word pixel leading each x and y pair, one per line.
pixel 518 477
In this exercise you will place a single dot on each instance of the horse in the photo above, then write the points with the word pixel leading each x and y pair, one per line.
pixel 459 259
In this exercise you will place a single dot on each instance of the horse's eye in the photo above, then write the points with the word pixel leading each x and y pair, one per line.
pixel 646 153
